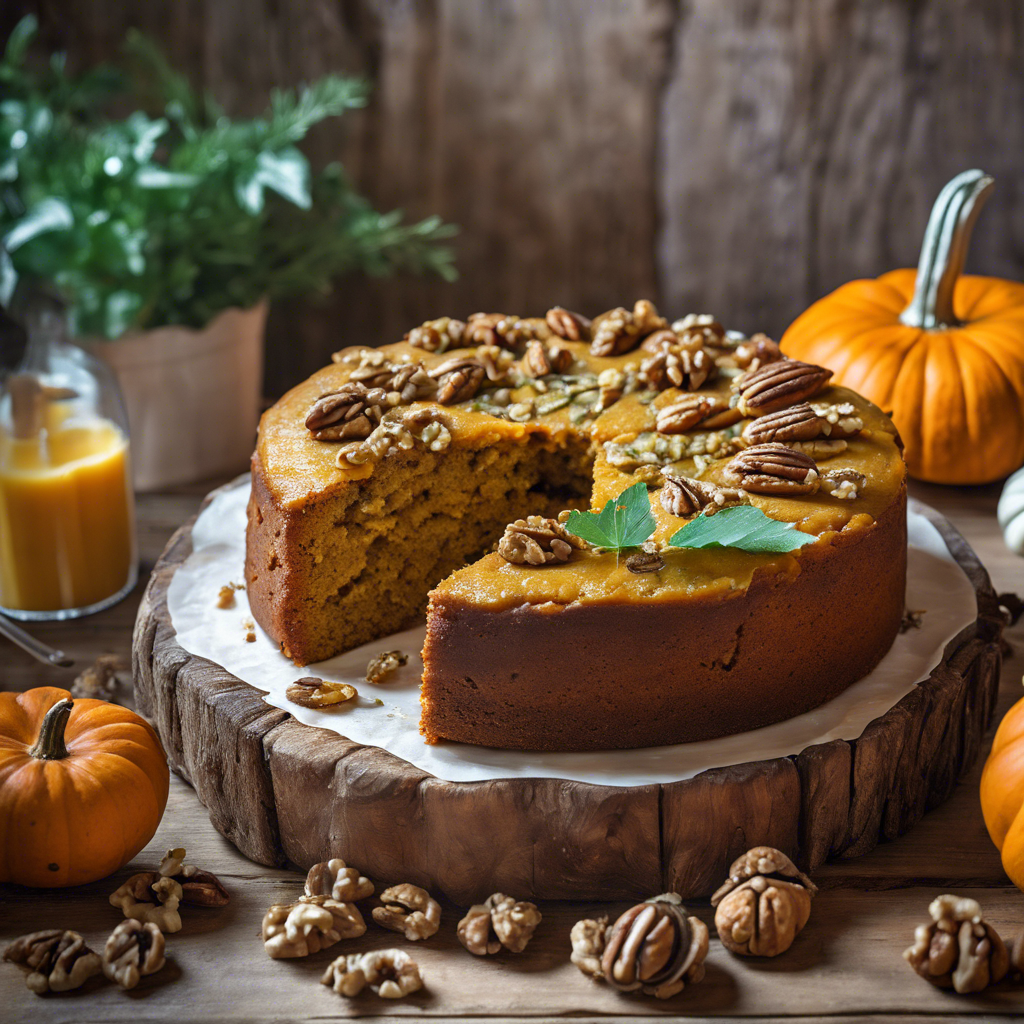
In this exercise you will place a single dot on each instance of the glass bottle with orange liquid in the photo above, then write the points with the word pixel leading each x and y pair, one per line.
pixel 67 512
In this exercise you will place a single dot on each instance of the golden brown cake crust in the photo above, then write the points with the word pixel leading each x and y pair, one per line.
pixel 592 677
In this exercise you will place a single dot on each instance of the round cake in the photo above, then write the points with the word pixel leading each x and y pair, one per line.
pixel 384 478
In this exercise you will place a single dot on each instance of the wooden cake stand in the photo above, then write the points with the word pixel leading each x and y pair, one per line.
pixel 282 791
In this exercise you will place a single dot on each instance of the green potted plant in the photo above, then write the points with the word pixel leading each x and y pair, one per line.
pixel 170 232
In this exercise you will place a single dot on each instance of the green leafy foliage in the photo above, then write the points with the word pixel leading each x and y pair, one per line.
pixel 744 527
pixel 170 216
pixel 624 522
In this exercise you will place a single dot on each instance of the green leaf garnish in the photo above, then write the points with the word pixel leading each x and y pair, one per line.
pixel 745 527
pixel 624 522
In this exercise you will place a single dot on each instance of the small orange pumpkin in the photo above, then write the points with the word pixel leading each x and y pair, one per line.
pixel 1002 792
pixel 83 786
pixel 943 353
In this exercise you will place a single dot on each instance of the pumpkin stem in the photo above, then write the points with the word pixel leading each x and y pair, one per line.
pixel 944 250
pixel 50 745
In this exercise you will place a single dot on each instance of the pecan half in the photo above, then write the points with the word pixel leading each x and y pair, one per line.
pixel 773 469
pixel 458 379
pixel 620 330
pixel 803 422
pixel 313 692
pixel 776 385
pixel 537 540
pixel 959 949
pixel 437 335
pixel 540 361
pixel 683 496
pixel 57 960
pixel 648 559
pixel 676 367
pixel 763 905
pixel 657 947
pixel 349 413
pixel 685 413
pixel 567 324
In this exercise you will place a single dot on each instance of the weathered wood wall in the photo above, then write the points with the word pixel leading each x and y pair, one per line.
pixel 738 156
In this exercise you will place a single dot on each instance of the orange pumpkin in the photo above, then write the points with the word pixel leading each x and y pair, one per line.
pixel 1002 792
pixel 83 785
pixel 943 353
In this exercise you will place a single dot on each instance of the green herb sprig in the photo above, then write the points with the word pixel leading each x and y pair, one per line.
pixel 172 214
pixel 624 522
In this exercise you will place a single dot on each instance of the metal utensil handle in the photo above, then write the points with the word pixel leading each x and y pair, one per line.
pixel 27 642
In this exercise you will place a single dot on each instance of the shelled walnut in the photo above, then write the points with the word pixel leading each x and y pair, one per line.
pixel 312 924
pixel 336 879
pixel 537 540
pixel 620 330
pixel 198 888
pixel 56 960
pixel 654 947
pixel 567 324
pixel 390 973
pixel 410 910
pixel 383 665
pixel 151 898
pixel 499 921
pixel 958 949
pixel 133 951
pixel 763 905
pixel 437 335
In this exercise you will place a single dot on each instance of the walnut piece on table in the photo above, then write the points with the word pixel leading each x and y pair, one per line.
pixel 390 973
pixel 198 888
pixel 312 924
pixel 133 950
pixel 312 692
pixel 56 960
pixel 336 879
pixel 384 664
pixel 151 898
pixel 410 910
pixel 499 921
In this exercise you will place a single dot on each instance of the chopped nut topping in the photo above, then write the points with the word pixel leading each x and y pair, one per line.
pixel 568 325
pixel 308 926
pixel 842 419
pixel 845 484
pixel 520 412
pixel 437 335
pixel 959 949
pixel 676 367
pixel 588 939
pixel 133 951
pixel 384 664
pixel 99 680
pixel 763 905
pixel 499 921
pixel 198 888
pixel 757 351
pixel 683 496
pixel 777 385
pixel 911 619
pixel 702 328
pixel 410 910
pixel 656 947
pixel 336 879
pixel 685 413
pixel 773 469
pixel 348 413
pixel 311 692
pixel 619 330
pixel 151 898
pixel 495 361
pixel 390 973
pixel 537 541
pixel 458 379
pixel 57 960
pixel 648 559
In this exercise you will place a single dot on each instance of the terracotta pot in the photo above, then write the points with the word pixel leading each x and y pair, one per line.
pixel 193 397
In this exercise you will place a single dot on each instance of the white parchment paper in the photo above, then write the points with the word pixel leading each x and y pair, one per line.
pixel 935 584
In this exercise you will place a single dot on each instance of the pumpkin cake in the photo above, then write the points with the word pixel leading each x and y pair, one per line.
pixel 390 471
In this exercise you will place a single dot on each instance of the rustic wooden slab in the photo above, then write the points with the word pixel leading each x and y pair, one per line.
pixel 285 792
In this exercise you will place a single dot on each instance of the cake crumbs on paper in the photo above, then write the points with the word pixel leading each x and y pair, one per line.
pixel 912 619
pixel 384 664
pixel 250 631
pixel 226 594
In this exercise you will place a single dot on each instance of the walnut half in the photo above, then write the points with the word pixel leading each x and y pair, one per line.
pixel 410 910
pixel 56 960
pixel 133 950
pixel 499 921
pixel 336 879
pixel 390 973
pixel 312 924
pixel 151 898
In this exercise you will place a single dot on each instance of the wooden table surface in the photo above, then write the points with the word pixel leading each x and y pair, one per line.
pixel 846 964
